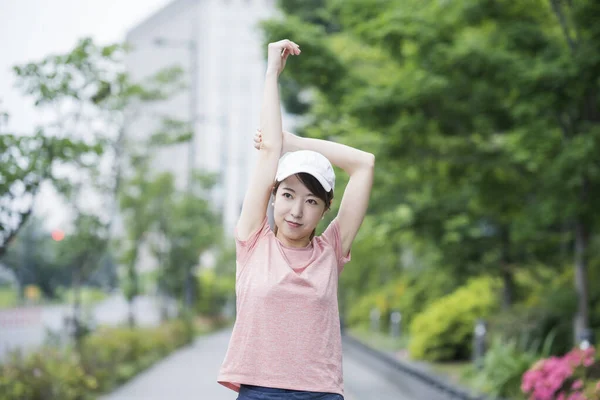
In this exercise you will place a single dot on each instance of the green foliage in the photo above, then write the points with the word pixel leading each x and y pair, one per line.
pixel 90 98
pixel 113 357
pixel 108 358
pixel 46 373
pixel 185 226
pixel 360 310
pixel 89 295
pixel 444 330
pixel 547 302
pixel 409 294
pixel 478 113
pixel 483 116
pixel 8 297
pixel 214 292
pixel 504 364
pixel 25 163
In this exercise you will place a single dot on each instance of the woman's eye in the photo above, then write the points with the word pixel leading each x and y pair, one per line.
pixel 287 195
pixel 313 202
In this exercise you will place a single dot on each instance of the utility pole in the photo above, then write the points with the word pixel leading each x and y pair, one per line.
pixel 193 115
pixel 193 103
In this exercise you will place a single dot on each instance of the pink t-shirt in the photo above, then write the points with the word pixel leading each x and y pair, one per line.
pixel 287 330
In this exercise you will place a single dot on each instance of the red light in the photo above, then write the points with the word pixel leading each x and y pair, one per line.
pixel 58 235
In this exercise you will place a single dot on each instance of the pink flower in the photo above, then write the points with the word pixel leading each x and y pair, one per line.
pixel 578 384
pixel 547 378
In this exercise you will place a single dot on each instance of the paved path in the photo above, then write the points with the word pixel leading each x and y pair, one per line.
pixel 190 374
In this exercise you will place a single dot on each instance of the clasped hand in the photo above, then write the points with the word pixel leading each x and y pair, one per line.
pixel 278 52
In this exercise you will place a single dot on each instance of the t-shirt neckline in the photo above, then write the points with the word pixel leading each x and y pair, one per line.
pixel 308 247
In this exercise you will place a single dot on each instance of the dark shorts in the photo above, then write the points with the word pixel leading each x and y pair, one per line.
pixel 250 392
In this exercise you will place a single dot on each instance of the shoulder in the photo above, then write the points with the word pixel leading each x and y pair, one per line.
pixel 331 232
pixel 331 237
pixel 246 247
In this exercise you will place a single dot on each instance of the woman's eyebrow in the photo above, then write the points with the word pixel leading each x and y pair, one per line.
pixel 292 190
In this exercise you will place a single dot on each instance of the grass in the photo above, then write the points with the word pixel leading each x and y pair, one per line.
pixel 88 295
pixel 379 341
pixel 8 297
pixel 454 372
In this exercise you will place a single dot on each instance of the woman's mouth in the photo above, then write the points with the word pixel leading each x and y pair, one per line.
pixel 293 224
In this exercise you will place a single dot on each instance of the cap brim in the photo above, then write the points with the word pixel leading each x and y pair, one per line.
pixel 308 170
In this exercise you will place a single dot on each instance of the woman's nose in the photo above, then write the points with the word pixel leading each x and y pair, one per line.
pixel 297 210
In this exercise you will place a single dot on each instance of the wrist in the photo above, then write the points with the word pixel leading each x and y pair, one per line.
pixel 290 142
pixel 271 73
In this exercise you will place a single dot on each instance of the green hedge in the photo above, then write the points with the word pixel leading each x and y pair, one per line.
pixel 409 294
pixel 108 358
pixel 213 293
pixel 444 330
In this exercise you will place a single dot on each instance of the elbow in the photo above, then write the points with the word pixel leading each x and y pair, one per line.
pixel 369 161
pixel 365 162
pixel 269 146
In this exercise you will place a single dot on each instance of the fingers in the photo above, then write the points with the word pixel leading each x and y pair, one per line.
pixel 293 48
pixel 288 47
pixel 258 139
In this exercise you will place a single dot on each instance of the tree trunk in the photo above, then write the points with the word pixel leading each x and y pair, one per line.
pixel 131 313
pixel 77 323
pixel 581 244
pixel 506 272
pixel 132 272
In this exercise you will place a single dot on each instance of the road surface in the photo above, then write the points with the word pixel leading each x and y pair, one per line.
pixel 26 327
pixel 190 374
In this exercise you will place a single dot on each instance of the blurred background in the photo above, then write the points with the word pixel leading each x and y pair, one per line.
pixel 126 147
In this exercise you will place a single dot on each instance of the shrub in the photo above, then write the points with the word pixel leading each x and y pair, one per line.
pixel 107 358
pixel 444 330
pixel 409 294
pixel 213 293
pixel 546 302
pixel 504 364
pixel 359 314
pixel 571 377
pixel 47 374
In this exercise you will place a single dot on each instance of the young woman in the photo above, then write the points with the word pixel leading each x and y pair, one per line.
pixel 286 341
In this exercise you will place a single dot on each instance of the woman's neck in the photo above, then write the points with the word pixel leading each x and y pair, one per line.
pixel 299 244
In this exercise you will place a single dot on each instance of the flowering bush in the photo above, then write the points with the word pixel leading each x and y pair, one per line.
pixel 569 377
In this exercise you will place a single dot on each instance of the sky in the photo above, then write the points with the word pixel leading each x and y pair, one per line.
pixel 33 29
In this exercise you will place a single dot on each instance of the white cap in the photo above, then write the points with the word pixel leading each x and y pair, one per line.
pixel 310 162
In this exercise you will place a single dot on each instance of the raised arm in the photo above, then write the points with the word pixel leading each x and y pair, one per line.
pixel 257 195
pixel 359 165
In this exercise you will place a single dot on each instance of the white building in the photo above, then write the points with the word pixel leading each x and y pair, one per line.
pixel 230 67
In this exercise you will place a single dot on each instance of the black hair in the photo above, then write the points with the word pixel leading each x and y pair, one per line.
pixel 315 188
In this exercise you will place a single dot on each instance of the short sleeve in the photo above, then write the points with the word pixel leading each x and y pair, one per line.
pixel 244 248
pixel 333 236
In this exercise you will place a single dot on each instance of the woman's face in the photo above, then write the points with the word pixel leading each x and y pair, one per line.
pixel 296 212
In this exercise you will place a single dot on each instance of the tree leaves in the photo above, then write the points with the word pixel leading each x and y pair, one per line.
pixel 483 119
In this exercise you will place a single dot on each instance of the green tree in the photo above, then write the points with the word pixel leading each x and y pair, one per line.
pixel 483 116
pixel 26 162
pixel 32 257
pixel 186 226
pixel 81 251
pixel 93 101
